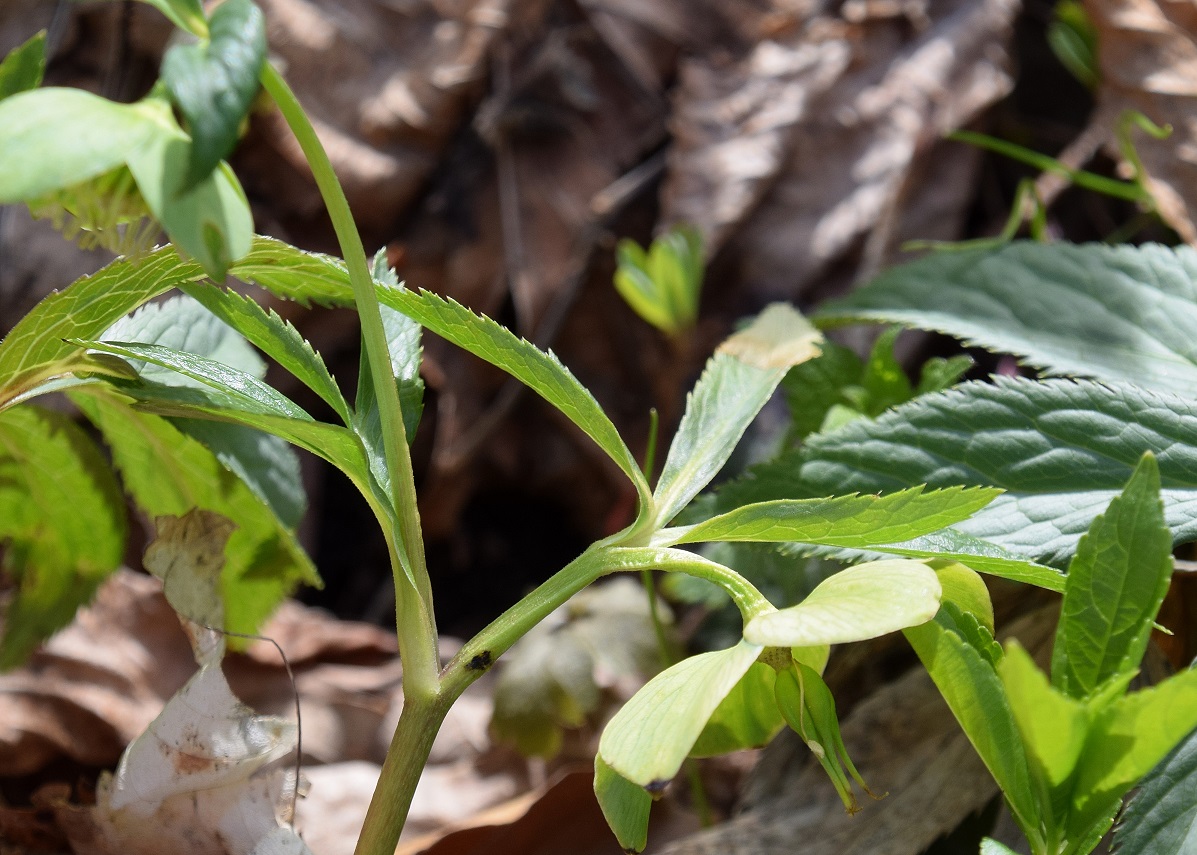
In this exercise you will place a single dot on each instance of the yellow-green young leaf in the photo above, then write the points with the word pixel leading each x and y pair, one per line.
pixel 848 521
pixel 1129 737
pixel 1116 584
pixel 55 138
pixel 966 678
pixel 1162 816
pixel 185 14
pixel 649 738
pixel 858 603
pixel 736 383
pixel 747 717
pixel 964 589
pixel 625 807
pixel 169 473
pixel 989 846
pixel 62 521
pixel 213 83
pixel 1053 725
pixel 24 66
pixel 663 284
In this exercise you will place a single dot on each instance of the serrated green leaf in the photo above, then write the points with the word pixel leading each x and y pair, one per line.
pixel 295 274
pixel 968 682
pixel 266 463
pixel 42 148
pixel 214 83
pixel 625 807
pixel 32 349
pixel 1127 739
pixel 274 336
pixel 541 371
pixel 1053 725
pixel 243 391
pixel 847 521
pixel 1162 816
pixel 1118 313
pixel 861 602
pixel 736 383
pixel 651 735
pixel 747 717
pixel 1061 450
pixel 1116 584
pixel 62 522
pixel 23 67
pixel 209 220
pixel 182 323
pixel 185 14
pixel 170 473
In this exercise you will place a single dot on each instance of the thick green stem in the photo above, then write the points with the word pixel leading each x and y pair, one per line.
pixel 408 753
pixel 477 654
pixel 416 628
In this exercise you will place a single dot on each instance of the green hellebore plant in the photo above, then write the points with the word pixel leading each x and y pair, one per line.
pixel 740 697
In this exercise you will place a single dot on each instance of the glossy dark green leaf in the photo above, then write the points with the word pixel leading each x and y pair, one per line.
pixel 214 83
pixel 1061 450
pixel 62 521
pixel 1119 313
pixel 1116 584
pixel 23 67
pixel 1162 816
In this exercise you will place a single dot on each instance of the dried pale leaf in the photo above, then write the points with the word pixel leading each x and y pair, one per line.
pixel 204 738
pixel 188 555
pixel 797 153
pixel 1147 53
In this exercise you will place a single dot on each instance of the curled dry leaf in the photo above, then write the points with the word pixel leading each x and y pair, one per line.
pixel 1147 53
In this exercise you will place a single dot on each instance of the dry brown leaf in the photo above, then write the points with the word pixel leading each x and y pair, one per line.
pixel 798 152
pixel 1147 51
pixel 99 683
pixel 385 84
pixel 562 816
